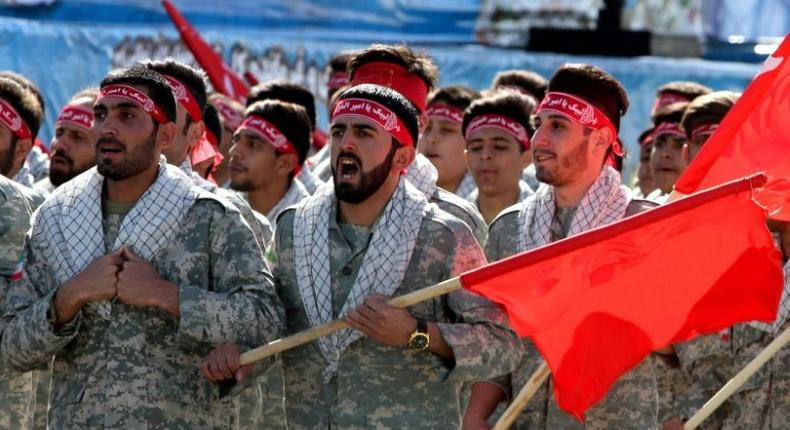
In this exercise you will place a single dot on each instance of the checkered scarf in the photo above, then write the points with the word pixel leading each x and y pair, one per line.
pixel 69 223
pixel 296 193
pixel 24 176
pixel 309 180
pixel 383 268
pixel 604 203
pixel 423 175
pixel 467 186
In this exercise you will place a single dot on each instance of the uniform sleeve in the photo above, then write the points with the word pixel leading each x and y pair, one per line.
pixel 29 338
pixel 243 306
pixel 483 344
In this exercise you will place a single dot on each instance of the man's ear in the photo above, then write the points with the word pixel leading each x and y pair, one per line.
pixel 403 158
pixel 23 148
pixel 166 135
pixel 286 163
pixel 602 138
pixel 194 134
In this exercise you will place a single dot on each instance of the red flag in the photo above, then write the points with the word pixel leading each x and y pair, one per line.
pixel 753 137
pixel 222 77
pixel 598 303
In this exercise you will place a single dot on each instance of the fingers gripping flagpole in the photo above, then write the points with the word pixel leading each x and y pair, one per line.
pixel 314 333
pixel 738 380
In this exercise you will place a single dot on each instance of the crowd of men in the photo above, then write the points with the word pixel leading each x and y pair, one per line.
pixel 167 229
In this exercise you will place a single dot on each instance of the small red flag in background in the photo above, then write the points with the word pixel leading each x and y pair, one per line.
pixel 222 77
pixel 753 137
pixel 598 303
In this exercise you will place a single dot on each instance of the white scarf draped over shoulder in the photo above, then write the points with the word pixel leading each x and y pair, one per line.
pixel 383 268
pixel 604 203
pixel 70 222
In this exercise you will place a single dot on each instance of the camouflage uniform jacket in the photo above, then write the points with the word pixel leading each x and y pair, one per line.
pixel 464 211
pixel 141 367
pixel 632 403
pixel 16 388
pixel 386 387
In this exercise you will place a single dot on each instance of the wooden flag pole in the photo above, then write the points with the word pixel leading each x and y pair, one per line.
pixel 524 396
pixel 736 382
pixel 309 335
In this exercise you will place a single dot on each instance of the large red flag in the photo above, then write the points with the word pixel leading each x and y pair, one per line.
pixel 753 137
pixel 222 77
pixel 598 303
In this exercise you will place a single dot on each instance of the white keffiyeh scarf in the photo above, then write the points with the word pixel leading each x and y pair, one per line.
pixel 423 175
pixel 382 271
pixel 24 176
pixel 467 186
pixel 604 203
pixel 309 179
pixel 70 222
pixel 296 193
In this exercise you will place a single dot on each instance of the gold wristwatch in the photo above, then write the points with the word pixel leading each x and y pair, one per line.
pixel 420 340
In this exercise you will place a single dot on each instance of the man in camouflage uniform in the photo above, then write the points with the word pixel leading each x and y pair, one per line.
pixel 344 251
pixel 16 388
pixel 577 125
pixel 132 275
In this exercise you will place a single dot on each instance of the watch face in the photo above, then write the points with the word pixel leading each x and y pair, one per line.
pixel 419 341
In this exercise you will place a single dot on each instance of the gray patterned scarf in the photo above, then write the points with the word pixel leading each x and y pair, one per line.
pixel 423 175
pixel 467 186
pixel 383 268
pixel 604 203
pixel 70 221
pixel 24 177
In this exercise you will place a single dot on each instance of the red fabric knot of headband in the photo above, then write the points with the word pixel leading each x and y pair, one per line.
pixel 11 118
pixel 396 77
pixel 230 116
pixel 272 134
pixel 501 122
pixel 376 112
pixel 580 111
pixel 337 80
pixel 137 97
pixel 445 112
pixel 76 115
pixel 185 99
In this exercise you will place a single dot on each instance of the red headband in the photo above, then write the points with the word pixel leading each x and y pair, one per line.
pixel 501 122
pixel 580 111
pixel 672 128
pixel 396 77
pixel 703 130
pixel 230 116
pixel 445 112
pixel 184 98
pixel 666 99
pixel 14 121
pixel 76 115
pixel 271 133
pixel 337 80
pixel 377 113
pixel 135 96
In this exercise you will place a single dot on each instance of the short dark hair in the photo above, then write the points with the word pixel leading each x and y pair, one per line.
pixel 24 102
pixel 155 84
pixel 687 89
pixel 516 106
pixel 457 96
pixel 192 78
pixel 594 85
pixel 527 80
pixel 27 84
pixel 290 118
pixel 286 91
pixel 392 100
pixel 212 122
pixel 339 63
pixel 707 109
pixel 670 113
pixel 418 63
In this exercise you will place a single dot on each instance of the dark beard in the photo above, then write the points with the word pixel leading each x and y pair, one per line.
pixel 57 177
pixel 574 162
pixel 135 162
pixel 369 183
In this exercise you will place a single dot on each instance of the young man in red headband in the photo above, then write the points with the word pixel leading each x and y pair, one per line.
pixel 702 117
pixel 677 92
pixel 645 183
pixel 413 75
pixel 20 119
pixel 343 252
pixel 268 151
pixel 189 88
pixel 73 143
pixel 497 129
pixel 126 279
pixel 443 141
pixel 577 125
pixel 667 159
